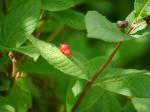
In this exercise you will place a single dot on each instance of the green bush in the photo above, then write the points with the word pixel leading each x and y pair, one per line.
pixel 74 56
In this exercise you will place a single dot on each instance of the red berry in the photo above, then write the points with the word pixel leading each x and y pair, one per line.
pixel 65 49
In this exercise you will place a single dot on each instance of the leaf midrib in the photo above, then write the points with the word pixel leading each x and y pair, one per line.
pixel 142 9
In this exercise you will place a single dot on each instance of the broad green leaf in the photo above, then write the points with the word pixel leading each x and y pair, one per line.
pixel 57 59
pixel 142 8
pixel 75 89
pixel 142 33
pixel 129 107
pixel 124 58
pixel 141 28
pixel 129 82
pixel 19 23
pixel 3 60
pixel 19 96
pixel 30 51
pixel 141 104
pixel 71 18
pixel 94 64
pixel 31 66
pixel 106 103
pixel 100 28
pixel 7 108
pixel 57 5
pixel 130 18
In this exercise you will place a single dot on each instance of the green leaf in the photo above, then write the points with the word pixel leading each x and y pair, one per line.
pixel 107 103
pixel 142 33
pixel 75 89
pixel 129 82
pixel 141 8
pixel 3 61
pixel 129 107
pixel 71 18
pixel 141 104
pixel 94 64
pixel 140 28
pixel 57 5
pixel 130 18
pixel 7 108
pixel 31 66
pixel 19 23
pixel 57 59
pixel 124 58
pixel 20 96
pixel 30 51
pixel 100 28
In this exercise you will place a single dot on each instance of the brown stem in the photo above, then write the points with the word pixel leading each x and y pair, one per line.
pixel 14 63
pixel 89 84
pixel 4 7
pixel 96 75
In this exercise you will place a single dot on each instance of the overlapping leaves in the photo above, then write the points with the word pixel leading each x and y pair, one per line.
pixel 19 23
pixel 57 59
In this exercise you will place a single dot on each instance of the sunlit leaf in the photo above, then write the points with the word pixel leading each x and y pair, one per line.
pixel 71 18
pixel 57 5
pixel 100 28
pixel 141 8
pixel 19 23
pixel 57 59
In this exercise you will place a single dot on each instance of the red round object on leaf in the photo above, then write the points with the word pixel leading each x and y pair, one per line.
pixel 65 49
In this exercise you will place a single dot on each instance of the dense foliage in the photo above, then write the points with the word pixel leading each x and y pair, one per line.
pixel 71 56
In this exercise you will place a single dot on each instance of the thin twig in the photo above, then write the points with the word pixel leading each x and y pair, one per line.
pixel 96 75
pixel 55 33
pixel 15 75
pixel 89 84
pixel 14 63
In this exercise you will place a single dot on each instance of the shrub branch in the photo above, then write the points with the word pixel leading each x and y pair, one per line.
pixel 97 74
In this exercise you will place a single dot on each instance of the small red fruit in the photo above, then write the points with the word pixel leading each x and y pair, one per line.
pixel 65 49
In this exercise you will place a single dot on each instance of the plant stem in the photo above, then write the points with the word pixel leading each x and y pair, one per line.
pixel 14 64
pixel 97 74
pixel 89 84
